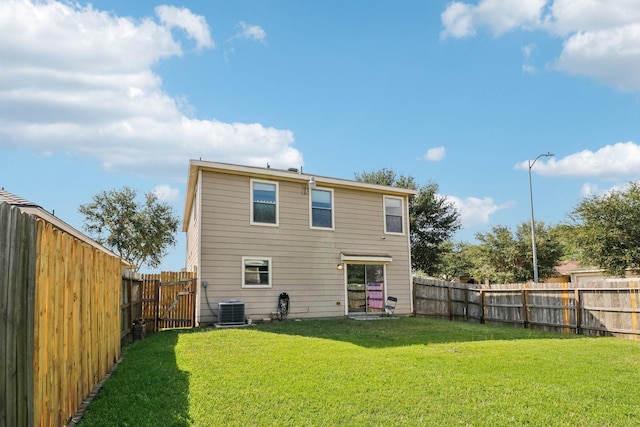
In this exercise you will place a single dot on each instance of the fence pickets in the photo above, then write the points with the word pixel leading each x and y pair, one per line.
pixel 59 320
pixel 168 300
pixel 77 327
pixel 17 290
pixel 606 307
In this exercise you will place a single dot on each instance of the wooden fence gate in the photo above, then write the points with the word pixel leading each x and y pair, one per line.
pixel 169 300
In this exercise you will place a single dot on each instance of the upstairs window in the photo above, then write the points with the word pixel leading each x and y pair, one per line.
pixel 264 202
pixel 322 209
pixel 394 214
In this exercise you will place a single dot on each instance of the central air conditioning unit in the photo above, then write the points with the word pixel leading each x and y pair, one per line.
pixel 231 313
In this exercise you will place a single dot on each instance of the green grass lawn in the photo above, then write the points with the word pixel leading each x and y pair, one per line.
pixel 391 372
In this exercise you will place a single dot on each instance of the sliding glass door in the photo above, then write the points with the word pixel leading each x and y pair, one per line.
pixel 365 288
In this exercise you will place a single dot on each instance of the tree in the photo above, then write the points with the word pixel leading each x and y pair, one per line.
pixel 139 233
pixel 433 219
pixel 456 262
pixel 608 229
pixel 388 177
pixel 504 256
pixel 566 234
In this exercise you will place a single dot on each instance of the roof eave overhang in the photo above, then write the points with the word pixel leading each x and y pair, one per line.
pixel 363 258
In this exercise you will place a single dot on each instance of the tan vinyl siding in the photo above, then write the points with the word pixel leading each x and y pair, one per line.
pixel 193 242
pixel 193 235
pixel 304 260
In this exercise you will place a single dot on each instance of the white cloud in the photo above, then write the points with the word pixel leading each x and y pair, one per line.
pixel 166 193
pixel 611 162
pixel 589 189
pixel 474 211
pixel 571 16
pixel 601 38
pixel 611 56
pixel 78 80
pixel 435 154
pixel 528 50
pixel 458 21
pixel 462 20
pixel 194 25
pixel 251 32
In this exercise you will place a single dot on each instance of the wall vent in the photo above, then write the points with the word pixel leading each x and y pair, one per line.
pixel 231 313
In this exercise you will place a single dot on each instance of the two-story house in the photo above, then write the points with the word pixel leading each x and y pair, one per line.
pixel 336 247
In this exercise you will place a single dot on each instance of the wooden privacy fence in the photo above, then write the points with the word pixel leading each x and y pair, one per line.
pixel 169 300
pixel 17 295
pixel 131 307
pixel 607 307
pixel 59 318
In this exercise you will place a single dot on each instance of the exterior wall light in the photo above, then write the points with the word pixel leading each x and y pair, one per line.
pixel 310 185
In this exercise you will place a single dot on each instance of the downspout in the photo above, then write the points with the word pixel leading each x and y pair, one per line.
pixel 198 203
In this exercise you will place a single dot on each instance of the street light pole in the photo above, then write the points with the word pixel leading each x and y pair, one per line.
pixel 533 223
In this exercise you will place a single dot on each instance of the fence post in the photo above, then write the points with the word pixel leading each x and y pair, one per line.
pixel 578 309
pixel 634 304
pixel 525 307
pixel 566 312
pixel 156 314
pixel 449 302
pixel 466 304
pixel 194 290
pixel 481 305
pixel 130 318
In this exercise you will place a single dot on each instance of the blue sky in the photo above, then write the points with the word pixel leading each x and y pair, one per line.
pixel 98 96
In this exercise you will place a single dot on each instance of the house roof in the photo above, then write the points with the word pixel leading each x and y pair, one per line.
pixel 291 175
pixel 33 209
pixel 565 268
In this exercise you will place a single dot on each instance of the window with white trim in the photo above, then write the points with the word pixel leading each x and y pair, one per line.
pixel 256 272
pixel 321 208
pixel 393 215
pixel 264 202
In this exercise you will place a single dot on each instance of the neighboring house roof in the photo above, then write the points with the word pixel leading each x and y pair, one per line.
pixel 31 208
pixel 570 267
pixel 291 175
pixel 565 268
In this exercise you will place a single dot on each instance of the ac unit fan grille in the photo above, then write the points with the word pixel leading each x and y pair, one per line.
pixel 231 313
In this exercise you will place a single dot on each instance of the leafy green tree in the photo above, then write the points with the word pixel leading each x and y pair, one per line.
pixel 456 262
pixel 433 219
pixel 504 256
pixel 608 229
pixel 139 232
pixel 498 257
pixel 388 177
pixel 566 235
